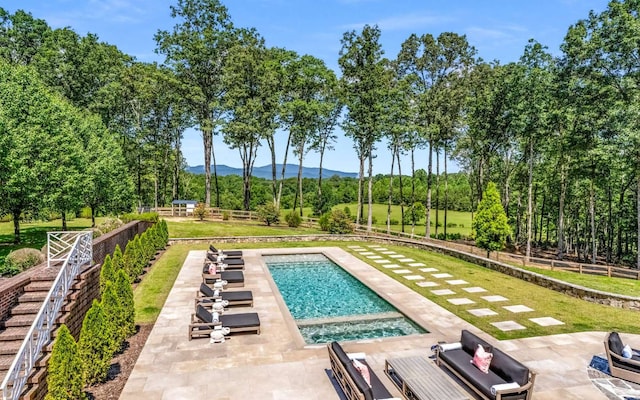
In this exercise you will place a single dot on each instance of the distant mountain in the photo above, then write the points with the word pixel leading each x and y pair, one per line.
pixel 265 171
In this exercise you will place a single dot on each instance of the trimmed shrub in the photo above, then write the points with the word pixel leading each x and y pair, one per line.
pixel 200 211
pixel 107 273
pixel 124 293
pixel 225 216
pixel 293 219
pixel 323 221
pixel 118 259
pixel 269 213
pixel 113 313
pixel 64 378
pixel 21 260
pixel 393 221
pixel 94 346
pixel 149 217
pixel 339 222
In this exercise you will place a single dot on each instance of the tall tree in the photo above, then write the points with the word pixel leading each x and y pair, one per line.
pixel 21 36
pixel 434 62
pixel 490 224
pixel 363 86
pixel 197 49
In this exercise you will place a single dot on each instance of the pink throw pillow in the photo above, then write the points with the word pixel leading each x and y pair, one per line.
pixel 364 371
pixel 482 359
pixel 212 269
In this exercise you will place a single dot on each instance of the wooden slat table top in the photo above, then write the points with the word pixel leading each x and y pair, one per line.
pixel 425 379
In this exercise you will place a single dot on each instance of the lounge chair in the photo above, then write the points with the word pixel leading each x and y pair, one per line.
pixel 228 253
pixel 233 278
pixel 621 367
pixel 202 323
pixel 228 261
pixel 227 267
pixel 206 297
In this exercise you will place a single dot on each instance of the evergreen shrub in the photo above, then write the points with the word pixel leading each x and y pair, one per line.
pixel 21 260
pixel 293 219
pixel 94 345
pixel 64 379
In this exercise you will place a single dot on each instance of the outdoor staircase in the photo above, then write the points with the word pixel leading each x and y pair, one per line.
pixel 15 328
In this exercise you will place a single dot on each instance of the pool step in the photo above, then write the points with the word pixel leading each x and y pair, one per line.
pixel 348 318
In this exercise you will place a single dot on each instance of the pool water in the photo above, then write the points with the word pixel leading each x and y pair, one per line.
pixel 329 304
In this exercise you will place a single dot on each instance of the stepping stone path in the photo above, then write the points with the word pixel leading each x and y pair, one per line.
pixel 381 255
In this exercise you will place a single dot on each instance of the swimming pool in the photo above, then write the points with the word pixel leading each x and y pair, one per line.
pixel 327 303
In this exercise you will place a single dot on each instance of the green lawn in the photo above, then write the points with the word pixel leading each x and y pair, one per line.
pixel 458 221
pixel 207 228
pixel 34 234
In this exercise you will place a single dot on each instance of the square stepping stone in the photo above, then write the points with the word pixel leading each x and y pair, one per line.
pixel 518 309
pixel 493 299
pixel 367 253
pixel 391 266
pixel 508 326
pixel 444 275
pixel 374 257
pixel 474 289
pixel 460 301
pixel 482 312
pixel 429 269
pixel 354 246
pixel 414 277
pixel 427 284
pixel 457 282
pixel 381 249
pixel 373 246
pixel 407 260
pixel 442 292
pixel 546 321
pixel 402 271
pixel 397 256
pixel 388 252
pixel 382 261
pixel 417 264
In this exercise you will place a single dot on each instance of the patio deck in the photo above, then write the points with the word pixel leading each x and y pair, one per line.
pixel 278 365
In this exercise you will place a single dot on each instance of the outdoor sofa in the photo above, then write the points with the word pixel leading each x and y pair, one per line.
pixel 202 323
pixel 627 368
pixel 503 369
pixel 351 381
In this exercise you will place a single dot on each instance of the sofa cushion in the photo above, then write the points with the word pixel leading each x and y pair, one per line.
pixel 508 368
pixel 362 386
pixel 470 342
pixel 615 343
pixel 461 362
pixel 482 359
pixel 340 353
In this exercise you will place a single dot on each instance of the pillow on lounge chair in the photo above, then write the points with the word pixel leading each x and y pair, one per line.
pixel 364 371
pixel 627 352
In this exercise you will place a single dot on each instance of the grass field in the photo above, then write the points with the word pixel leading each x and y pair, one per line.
pixel 34 234
pixel 457 221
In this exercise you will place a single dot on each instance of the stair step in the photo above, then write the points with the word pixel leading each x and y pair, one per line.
pixel 31 297
pixel 38 286
pixel 26 308
pixel 14 333
pixel 10 348
pixel 20 320
pixel 5 361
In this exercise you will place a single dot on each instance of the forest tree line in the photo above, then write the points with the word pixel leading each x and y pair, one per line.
pixel 557 134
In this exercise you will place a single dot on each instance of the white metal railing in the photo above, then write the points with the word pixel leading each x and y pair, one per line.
pixel 74 250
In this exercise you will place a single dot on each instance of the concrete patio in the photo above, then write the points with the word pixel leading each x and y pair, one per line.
pixel 278 365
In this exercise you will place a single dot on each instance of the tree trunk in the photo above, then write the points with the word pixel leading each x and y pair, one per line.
pixel 401 193
pixel 300 159
pixel 16 225
pixel 370 192
pixel 274 174
pixel 393 159
pixel 207 141
pixel 215 175
pixel 638 219
pixel 530 202
pixel 93 216
pixel 360 184
pixel 592 221
pixel 284 170
pixel 446 193
pixel 437 190
pixel 413 192
pixel 427 229
pixel 563 194
pixel 63 215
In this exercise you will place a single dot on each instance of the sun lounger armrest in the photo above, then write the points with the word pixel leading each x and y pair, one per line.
pixel 629 361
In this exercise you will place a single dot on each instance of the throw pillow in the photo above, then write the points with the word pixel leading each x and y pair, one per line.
pixel 482 359
pixel 627 352
pixel 364 371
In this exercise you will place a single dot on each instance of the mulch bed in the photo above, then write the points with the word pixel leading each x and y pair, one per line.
pixel 121 366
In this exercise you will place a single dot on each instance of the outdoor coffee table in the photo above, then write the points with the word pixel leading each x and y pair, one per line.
pixel 417 377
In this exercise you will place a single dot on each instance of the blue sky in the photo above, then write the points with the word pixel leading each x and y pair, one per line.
pixel 498 29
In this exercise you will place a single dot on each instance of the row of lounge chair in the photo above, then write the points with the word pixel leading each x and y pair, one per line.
pixel 222 270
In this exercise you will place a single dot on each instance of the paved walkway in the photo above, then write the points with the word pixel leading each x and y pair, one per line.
pixel 277 365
